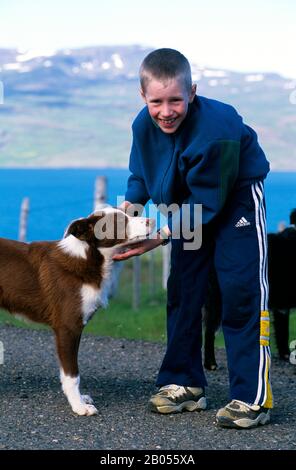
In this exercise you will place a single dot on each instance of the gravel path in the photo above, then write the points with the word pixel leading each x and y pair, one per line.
pixel 120 375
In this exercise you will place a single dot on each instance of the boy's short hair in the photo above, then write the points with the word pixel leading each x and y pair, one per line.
pixel 293 217
pixel 165 64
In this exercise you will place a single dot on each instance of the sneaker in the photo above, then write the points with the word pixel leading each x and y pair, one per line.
pixel 176 398
pixel 238 414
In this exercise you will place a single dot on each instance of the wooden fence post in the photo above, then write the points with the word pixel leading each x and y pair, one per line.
pixel 136 282
pixel 24 219
pixel 100 195
pixel 152 289
pixel 166 261
pixel 1 353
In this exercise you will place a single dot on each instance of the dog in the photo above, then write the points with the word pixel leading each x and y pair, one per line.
pixel 62 283
pixel 282 295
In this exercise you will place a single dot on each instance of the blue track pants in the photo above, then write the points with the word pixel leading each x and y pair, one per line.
pixel 236 242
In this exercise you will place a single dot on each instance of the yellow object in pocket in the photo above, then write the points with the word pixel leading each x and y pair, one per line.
pixel 264 328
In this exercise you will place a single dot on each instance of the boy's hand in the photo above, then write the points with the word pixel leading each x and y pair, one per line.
pixel 137 249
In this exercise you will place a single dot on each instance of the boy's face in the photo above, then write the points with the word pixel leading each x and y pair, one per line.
pixel 167 102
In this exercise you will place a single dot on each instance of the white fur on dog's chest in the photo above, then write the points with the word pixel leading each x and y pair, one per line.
pixel 94 297
pixel 91 300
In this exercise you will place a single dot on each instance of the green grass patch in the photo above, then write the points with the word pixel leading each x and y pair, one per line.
pixel 7 319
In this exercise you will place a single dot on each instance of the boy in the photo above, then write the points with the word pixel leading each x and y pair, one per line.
pixel 193 150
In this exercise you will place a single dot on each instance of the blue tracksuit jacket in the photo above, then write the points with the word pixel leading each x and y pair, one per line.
pixel 210 153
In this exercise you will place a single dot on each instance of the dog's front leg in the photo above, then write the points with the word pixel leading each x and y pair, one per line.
pixel 67 347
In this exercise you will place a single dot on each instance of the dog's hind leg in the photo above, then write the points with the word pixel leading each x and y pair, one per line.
pixel 67 343
pixel 281 330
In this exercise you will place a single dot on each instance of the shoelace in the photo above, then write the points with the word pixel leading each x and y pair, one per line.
pixel 172 390
pixel 245 406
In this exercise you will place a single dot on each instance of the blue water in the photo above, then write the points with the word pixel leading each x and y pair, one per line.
pixel 59 196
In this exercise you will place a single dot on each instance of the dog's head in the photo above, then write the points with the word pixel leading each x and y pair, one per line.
pixel 110 227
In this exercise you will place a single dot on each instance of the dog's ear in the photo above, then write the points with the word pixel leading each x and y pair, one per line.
pixel 82 229
pixel 110 228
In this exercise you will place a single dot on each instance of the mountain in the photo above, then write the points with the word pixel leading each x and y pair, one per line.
pixel 74 107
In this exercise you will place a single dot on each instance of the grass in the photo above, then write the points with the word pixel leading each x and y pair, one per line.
pixel 119 320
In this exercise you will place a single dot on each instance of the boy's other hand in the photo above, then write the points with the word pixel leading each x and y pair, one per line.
pixel 137 249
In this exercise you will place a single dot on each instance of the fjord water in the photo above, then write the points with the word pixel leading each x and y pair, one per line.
pixel 58 196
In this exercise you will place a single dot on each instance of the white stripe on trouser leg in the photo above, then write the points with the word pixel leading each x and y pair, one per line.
pixel 262 225
pixel 260 375
pixel 266 370
pixel 264 363
pixel 262 243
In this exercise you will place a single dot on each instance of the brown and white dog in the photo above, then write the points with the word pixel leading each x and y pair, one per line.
pixel 62 283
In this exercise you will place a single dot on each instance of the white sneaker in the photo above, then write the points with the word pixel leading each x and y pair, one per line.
pixel 176 398
pixel 238 414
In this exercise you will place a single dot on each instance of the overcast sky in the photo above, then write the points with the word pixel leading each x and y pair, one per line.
pixel 249 35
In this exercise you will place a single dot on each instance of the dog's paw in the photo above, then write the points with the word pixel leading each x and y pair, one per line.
pixel 85 410
pixel 87 399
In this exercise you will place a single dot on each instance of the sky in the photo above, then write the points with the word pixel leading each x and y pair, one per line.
pixel 247 36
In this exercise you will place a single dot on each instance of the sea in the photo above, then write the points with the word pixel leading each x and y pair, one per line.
pixel 58 196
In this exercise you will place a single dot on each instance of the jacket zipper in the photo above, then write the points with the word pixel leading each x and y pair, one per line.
pixel 173 141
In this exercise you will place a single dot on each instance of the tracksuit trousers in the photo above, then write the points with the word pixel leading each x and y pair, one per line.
pixel 236 243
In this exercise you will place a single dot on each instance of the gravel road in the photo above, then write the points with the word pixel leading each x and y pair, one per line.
pixel 120 375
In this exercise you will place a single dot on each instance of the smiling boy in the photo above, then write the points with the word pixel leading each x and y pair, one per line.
pixel 188 149
pixel 167 100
